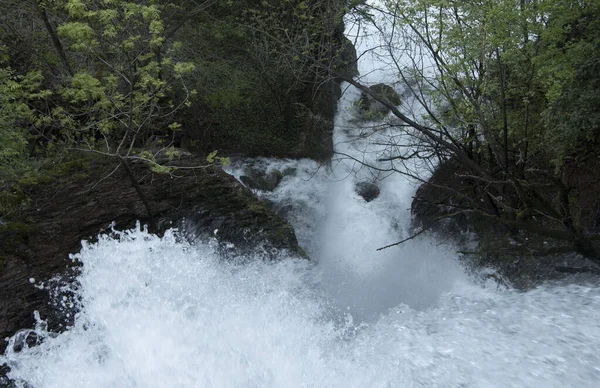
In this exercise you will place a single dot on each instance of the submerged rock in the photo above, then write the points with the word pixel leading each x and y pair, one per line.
pixel 261 180
pixel 368 190
pixel 369 108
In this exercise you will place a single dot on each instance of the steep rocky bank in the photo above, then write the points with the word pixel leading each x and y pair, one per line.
pixel 526 259
pixel 84 200
pixel 262 97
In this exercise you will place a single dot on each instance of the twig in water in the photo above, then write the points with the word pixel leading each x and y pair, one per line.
pixel 405 240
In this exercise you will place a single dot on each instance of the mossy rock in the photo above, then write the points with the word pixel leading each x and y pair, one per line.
pixel 36 241
pixel 221 203
pixel 76 169
pixel 261 180
pixel 33 179
pixel 18 194
pixel 387 92
pixel 19 230
pixel 371 109
pixel 11 200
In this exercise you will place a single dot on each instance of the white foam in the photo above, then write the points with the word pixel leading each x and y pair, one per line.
pixel 158 313
pixel 162 313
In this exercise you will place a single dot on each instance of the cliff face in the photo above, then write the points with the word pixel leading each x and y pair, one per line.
pixel 69 208
pixel 264 86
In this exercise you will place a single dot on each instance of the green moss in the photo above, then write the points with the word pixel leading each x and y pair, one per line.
pixel 48 173
pixel 80 177
pixel 20 231
pixel 17 193
pixel 279 231
pixel 10 200
pixel 33 178
pixel 282 233
pixel 76 166
pixel 302 253
pixel 260 208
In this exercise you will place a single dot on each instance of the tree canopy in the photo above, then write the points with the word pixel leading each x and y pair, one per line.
pixel 506 93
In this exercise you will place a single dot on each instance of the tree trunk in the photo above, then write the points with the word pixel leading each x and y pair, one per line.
pixel 138 189
pixel 54 37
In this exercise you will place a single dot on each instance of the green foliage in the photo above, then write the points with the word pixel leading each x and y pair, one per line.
pixel 570 69
pixel 125 89
pixel 125 72
pixel 510 74
pixel 213 158
pixel 510 93
pixel 530 68
pixel 12 138
pixel 17 94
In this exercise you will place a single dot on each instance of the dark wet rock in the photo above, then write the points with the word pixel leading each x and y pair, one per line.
pixel 433 202
pixel 368 190
pixel 348 60
pixel 387 92
pixel 289 171
pixel 284 210
pixel 25 339
pixel 5 382
pixel 35 245
pixel 255 178
pixel 370 108
pixel 488 245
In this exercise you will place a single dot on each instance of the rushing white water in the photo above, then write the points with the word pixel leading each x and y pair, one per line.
pixel 158 312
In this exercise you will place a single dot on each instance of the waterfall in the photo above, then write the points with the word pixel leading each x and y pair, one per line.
pixel 159 312
pixel 162 313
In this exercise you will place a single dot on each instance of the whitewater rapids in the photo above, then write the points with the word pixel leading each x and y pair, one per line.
pixel 161 313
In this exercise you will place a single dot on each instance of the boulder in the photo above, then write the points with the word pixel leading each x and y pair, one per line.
pixel 289 171
pixel 368 190
pixel 255 178
pixel 370 108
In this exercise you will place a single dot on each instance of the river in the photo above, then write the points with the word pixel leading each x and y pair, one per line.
pixel 160 312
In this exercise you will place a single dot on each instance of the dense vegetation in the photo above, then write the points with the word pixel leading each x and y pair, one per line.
pixel 507 94
pixel 82 71
pixel 131 80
